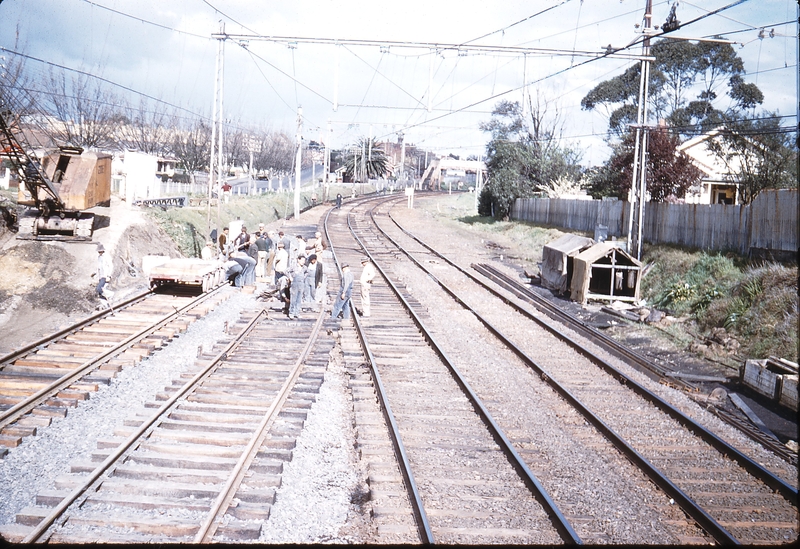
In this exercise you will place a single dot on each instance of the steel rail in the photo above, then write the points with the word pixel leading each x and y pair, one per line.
pixel 751 466
pixel 556 313
pixel 417 507
pixel 695 511
pixel 13 355
pixel 29 403
pixel 420 515
pixel 129 444
pixel 749 429
pixel 226 495
pixel 557 518
pixel 608 343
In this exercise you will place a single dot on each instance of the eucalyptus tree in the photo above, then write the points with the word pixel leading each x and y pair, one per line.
pixel 682 88
pixel 683 93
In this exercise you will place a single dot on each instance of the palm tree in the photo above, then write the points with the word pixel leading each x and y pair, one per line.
pixel 365 160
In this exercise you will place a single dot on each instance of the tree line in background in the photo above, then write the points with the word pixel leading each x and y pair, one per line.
pixel 526 156
pixel 82 111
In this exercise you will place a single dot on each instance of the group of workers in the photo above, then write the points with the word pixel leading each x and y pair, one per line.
pixel 292 266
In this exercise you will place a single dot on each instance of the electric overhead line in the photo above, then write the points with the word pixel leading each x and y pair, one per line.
pixel 445 47
pixel 142 20
pixel 102 79
pixel 227 16
pixel 504 29
pixel 608 53
pixel 751 29
pixel 375 69
pixel 438 47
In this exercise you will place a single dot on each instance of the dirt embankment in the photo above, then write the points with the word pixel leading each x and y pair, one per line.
pixel 47 285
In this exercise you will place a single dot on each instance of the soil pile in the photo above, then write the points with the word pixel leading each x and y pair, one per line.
pixel 45 286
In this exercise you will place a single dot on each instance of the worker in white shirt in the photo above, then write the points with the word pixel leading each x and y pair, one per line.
pixel 367 276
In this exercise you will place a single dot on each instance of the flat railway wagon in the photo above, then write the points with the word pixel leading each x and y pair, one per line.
pixel 188 272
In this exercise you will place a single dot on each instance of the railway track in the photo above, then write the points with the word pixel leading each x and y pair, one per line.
pixel 46 378
pixel 504 280
pixel 467 484
pixel 526 374
pixel 479 420
pixel 202 462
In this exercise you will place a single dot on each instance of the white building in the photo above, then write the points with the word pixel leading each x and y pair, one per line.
pixel 718 185
pixel 135 176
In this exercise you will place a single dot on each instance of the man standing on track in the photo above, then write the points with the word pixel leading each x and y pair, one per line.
pixel 104 268
pixel 318 288
pixel 272 247
pixel 286 239
pixel 297 274
pixel 281 262
pixel 342 304
pixel 223 243
pixel 367 275
pixel 319 247
pixel 263 247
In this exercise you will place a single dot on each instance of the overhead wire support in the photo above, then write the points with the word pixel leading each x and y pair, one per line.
pixel 216 132
pixel 459 49
pixel 639 176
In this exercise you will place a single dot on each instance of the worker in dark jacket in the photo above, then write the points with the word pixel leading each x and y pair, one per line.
pixel 342 304
pixel 317 289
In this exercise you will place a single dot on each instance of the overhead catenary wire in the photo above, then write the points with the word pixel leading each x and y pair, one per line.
pixel 418 123
pixel 608 53
pixel 142 20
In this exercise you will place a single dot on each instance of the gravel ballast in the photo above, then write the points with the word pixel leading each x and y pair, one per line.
pixel 309 508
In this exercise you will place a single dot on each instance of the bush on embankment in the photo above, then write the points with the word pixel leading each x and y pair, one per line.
pixel 755 302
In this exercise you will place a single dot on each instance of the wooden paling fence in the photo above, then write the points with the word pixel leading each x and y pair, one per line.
pixel 767 227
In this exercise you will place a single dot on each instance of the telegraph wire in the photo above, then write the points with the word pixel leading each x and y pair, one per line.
pixel 102 79
pixel 504 29
pixel 141 20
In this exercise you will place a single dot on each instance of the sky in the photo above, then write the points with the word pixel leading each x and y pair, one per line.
pixel 393 71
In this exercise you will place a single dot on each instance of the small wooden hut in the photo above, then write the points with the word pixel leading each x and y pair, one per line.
pixel 606 272
pixel 557 258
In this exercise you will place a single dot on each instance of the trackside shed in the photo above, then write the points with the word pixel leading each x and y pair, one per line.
pixel 557 259
pixel 605 271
